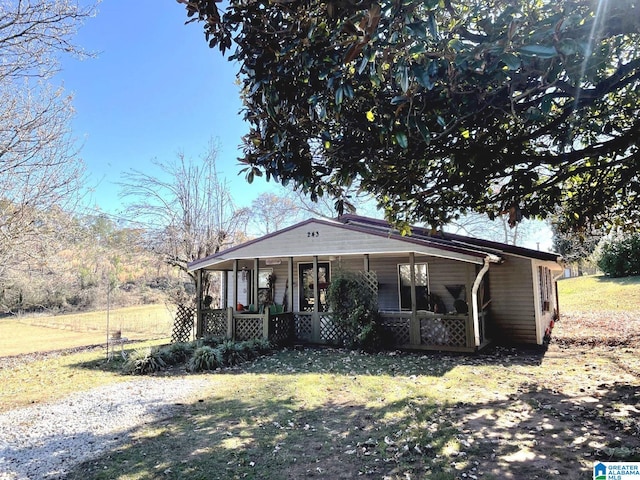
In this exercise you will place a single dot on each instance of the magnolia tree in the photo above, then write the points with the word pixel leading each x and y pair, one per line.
pixel 441 107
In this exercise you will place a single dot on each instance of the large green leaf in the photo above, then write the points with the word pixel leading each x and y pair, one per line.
pixel 541 51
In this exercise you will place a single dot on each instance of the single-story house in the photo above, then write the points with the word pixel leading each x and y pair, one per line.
pixel 435 291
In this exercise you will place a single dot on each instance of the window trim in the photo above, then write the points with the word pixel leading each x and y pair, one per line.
pixel 400 285
pixel 545 284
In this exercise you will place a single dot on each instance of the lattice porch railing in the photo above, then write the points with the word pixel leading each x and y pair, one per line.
pixel 397 326
pixel 429 331
pixel 281 328
pixel 214 322
pixel 424 331
pixel 248 326
pixel 183 324
pixel 318 328
pixel 331 333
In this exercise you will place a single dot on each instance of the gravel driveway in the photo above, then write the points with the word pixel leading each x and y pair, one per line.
pixel 46 441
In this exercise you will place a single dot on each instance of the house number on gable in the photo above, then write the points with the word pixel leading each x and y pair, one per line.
pixel 313 234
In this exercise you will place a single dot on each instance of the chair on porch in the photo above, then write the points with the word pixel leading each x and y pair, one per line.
pixel 276 308
pixel 461 307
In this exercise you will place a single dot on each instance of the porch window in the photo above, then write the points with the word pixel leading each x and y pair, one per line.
pixel 305 271
pixel 546 288
pixel 422 286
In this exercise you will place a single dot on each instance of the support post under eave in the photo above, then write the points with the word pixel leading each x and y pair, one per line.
pixel 290 290
pixel 412 273
pixel 316 290
pixel 255 283
pixel 225 289
pixel 315 323
pixel 199 325
pixel 235 285
pixel 414 329
pixel 475 307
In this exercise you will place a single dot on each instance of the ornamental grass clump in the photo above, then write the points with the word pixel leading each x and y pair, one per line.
pixel 179 352
pixel 204 358
pixel 232 353
pixel 260 346
pixel 145 361
pixel 212 341
pixel 201 355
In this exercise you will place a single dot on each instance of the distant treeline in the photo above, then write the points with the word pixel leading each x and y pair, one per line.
pixel 76 263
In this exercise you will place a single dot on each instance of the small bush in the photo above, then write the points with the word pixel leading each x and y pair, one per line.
pixel 144 361
pixel 204 358
pixel 355 310
pixel 231 353
pixel 620 257
pixel 212 340
pixel 180 352
pixel 259 345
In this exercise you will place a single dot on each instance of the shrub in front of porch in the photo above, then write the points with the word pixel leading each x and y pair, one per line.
pixel 355 310
pixel 201 355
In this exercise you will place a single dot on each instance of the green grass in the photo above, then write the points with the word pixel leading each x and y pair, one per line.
pixel 596 293
pixel 42 333
pixel 56 375
pixel 148 320
pixel 338 414
pixel 17 338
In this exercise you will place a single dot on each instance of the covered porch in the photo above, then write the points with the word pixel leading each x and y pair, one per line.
pixel 426 301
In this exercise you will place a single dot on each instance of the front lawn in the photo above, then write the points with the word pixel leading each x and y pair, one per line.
pixel 328 413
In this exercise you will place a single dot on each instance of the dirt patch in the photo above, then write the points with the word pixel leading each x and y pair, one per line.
pixel 586 408
pixel 598 329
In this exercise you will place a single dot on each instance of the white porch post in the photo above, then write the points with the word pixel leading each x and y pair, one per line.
pixel 255 282
pixel 235 285
pixel 199 304
pixel 316 293
pixel 366 262
pixel 414 329
pixel 225 290
pixel 475 309
pixel 290 291
pixel 315 322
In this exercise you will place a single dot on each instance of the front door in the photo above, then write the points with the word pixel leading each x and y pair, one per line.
pixel 305 279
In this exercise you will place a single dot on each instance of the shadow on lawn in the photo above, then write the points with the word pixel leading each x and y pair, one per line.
pixel 537 434
pixel 630 280
pixel 350 362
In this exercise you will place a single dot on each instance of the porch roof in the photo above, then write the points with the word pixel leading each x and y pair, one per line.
pixel 459 240
pixel 348 235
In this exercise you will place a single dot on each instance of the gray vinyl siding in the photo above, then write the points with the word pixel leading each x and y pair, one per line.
pixel 280 271
pixel 512 301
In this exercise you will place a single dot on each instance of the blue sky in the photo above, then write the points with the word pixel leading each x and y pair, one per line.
pixel 155 88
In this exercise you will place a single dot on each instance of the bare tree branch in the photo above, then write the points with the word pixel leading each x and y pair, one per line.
pixel 188 206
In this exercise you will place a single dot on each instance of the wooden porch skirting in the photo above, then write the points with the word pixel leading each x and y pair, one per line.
pixel 424 331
